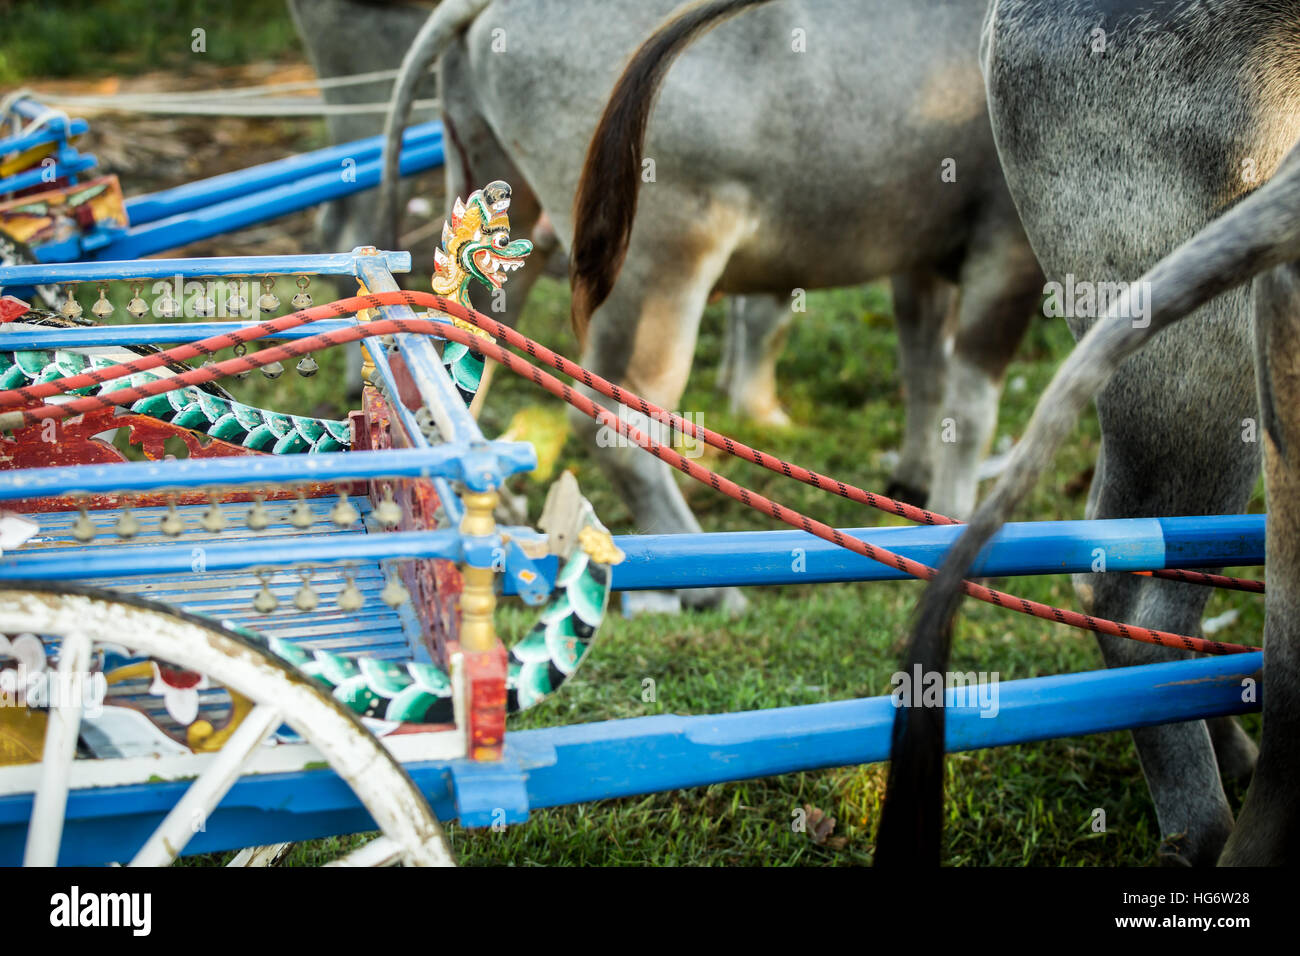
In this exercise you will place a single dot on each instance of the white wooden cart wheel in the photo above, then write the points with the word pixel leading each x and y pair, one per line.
pixel 82 617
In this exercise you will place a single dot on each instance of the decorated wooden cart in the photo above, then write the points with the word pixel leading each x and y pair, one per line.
pixel 238 628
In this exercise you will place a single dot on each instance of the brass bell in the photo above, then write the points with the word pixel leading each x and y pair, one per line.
pixel 268 301
pixel 214 519
pixel 350 598
pixel 83 529
pixel 137 308
pixel 71 307
pixel 236 304
pixel 302 300
pixel 307 366
pixel 128 525
pixel 264 602
pixel 344 513
pixel 395 593
pixel 301 517
pixel 273 370
pixel 172 523
pixel 167 307
pixel 388 512
pixel 102 307
pixel 258 517
pixel 305 599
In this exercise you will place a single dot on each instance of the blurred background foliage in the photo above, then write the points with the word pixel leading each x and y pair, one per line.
pixel 90 38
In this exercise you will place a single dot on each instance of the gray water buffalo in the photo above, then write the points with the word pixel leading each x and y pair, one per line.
pixel 758 188
pixel 345 38
pixel 1124 128
pixel 329 29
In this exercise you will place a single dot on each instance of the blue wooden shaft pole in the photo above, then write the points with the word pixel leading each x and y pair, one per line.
pixel 333 159
pixel 504 458
pixel 581 762
pixel 250 209
pixel 330 264
pixel 1039 547
pixel 755 557
pixel 645 755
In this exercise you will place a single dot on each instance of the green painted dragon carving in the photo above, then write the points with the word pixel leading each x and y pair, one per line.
pixel 539 662
pixel 476 245
pixel 208 409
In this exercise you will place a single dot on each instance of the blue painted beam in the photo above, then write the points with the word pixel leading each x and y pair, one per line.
pixel 331 264
pixel 250 209
pixel 205 192
pixel 164 333
pixel 749 558
pixel 480 465
pixel 115 561
pixel 583 762
pixel 623 758
pixel 754 558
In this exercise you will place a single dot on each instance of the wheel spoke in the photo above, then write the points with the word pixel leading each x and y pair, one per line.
pixel 381 851
pixel 206 792
pixel 261 855
pixel 243 665
pixel 45 831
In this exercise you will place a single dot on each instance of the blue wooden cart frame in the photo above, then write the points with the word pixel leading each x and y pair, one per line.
pixel 560 765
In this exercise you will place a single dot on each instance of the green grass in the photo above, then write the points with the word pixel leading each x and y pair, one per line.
pixel 56 38
pixel 1031 804
pixel 1026 805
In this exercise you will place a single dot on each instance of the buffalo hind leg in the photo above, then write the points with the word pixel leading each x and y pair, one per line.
pixel 1234 751
pixel 644 337
pixel 1001 285
pixel 923 314
pixel 756 332
pixel 1155 446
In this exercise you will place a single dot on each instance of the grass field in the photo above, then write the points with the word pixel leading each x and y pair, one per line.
pixel 794 645
pixel 60 38
pixel 1026 805
pixel 803 644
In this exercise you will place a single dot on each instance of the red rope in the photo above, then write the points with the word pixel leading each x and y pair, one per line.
pixel 1224 581
pixel 211 345
pixel 790 470
pixel 290 350
pixel 344 307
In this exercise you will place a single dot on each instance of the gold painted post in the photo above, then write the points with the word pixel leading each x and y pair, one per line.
pixel 478 598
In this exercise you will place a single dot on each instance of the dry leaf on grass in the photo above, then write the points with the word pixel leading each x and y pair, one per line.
pixel 820 828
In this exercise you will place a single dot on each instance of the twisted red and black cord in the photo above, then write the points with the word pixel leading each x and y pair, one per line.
pixel 290 350
pixel 343 307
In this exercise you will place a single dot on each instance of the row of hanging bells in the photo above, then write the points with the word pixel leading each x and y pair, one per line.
pixel 350 599
pixel 387 513
pixel 203 306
